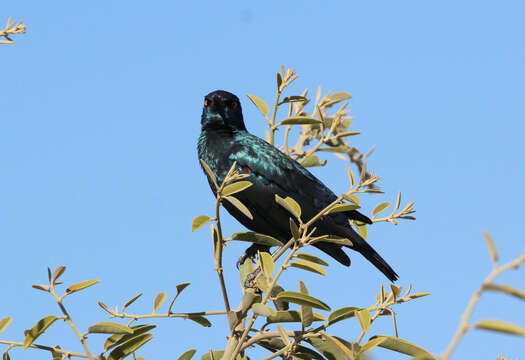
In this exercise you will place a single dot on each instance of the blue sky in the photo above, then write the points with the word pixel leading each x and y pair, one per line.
pixel 98 169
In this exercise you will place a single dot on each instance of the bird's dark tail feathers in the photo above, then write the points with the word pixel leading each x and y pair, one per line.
pixel 371 255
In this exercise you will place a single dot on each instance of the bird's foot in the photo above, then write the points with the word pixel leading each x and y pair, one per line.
pixel 251 279
pixel 251 253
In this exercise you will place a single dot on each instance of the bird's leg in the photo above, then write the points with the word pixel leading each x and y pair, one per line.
pixel 250 253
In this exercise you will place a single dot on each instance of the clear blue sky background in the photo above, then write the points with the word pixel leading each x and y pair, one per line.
pixel 99 117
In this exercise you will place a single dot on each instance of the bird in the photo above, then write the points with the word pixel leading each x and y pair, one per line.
pixel 224 140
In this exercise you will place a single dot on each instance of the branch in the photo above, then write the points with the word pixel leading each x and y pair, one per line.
pixel 11 28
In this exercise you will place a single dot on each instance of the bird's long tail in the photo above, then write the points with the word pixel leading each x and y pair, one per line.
pixel 371 255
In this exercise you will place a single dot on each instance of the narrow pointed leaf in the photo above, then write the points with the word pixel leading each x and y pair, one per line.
pixel 336 98
pixel 401 346
pixel 256 238
pixel 215 355
pixel 210 173
pixel 129 346
pixel 261 105
pixel 159 300
pixel 314 259
pixel 340 345
pixel 201 320
pixel 312 161
pixel 284 336
pixel 236 187
pixel 364 319
pixel 262 310
pixel 361 227
pixel 283 316
pixel 300 120
pixel 380 208
pixel 81 285
pixel 187 355
pixel 267 264
pixel 327 347
pixel 38 329
pixel 500 326
pixel 57 273
pixel 41 287
pixel 302 299
pixel 309 266
pixel 342 314
pixel 117 339
pixel 371 344
pixel 396 290
pixel 239 205
pixel 294 229
pixel 108 327
pixel 245 269
pixel 199 221
pixel 131 301
pixel 4 323
pixel 307 315
pixel 289 204
pixel 279 305
pixel 505 289
pixel 181 287
pixel 339 241
pixel 492 247
pixel 343 207
pixel 352 198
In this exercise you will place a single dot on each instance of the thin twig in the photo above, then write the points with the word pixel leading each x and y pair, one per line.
pixel 48 348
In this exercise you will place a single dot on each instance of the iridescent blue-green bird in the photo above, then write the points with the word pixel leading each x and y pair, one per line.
pixel 225 140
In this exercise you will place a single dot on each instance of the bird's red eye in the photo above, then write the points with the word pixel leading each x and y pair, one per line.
pixel 206 102
pixel 235 104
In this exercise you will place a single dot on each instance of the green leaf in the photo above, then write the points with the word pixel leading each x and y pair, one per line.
pixel 199 222
pixel 201 320
pixel 314 259
pixel 307 316
pixel 279 305
pixel 117 339
pixel 340 345
pixel 348 133
pixel 290 99
pixel 500 326
pixel 41 287
pixel 262 310
pixel 343 207
pixel 159 300
pixel 236 187
pixel 396 290
pixel 215 355
pixel 210 173
pixel 300 120
pixel 57 273
pixel 379 208
pixel 81 285
pixel 304 353
pixel 339 241
pixel 239 205
pixel 267 264
pixel 282 316
pixel 131 301
pixel 129 346
pixel 263 283
pixel 279 81
pixel 261 105
pixel 352 198
pixel 256 238
pixel 361 227
pixel 342 314
pixel 302 299
pixel 327 347
pixel 312 161
pixel 505 289
pixel 181 287
pixel 309 266
pixel 492 247
pixel 401 346
pixel 336 98
pixel 294 229
pixel 108 327
pixel 39 328
pixel 363 316
pixel 187 355
pixel 245 269
pixel 371 344
pixel 290 205
pixel 4 323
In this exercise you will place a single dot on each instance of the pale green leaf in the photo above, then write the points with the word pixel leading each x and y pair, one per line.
pixel 117 339
pixel 39 328
pixel 187 355
pixel 239 205
pixel 267 264
pixel 336 98
pixel 81 285
pixel 290 205
pixel 159 300
pixel 41 287
pixel 57 273
pixel 199 221
pixel 343 207
pixel 309 266
pixel 300 120
pixel 314 259
pixel 261 105
pixel 371 344
pixel 256 238
pixel 282 316
pixel 492 247
pixel 129 346
pixel 307 316
pixel 401 346
pixel 131 301
pixel 302 299
pixel 215 355
pixel 236 187
pixel 500 326
pixel 210 173
pixel 342 314
pixel 108 327
pixel 262 310
pixel 505 289
pixel 363 316
pixel 379 208
pixel 4 323
pixel 201 320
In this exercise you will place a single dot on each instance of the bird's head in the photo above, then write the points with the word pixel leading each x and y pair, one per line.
pixel 222 108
